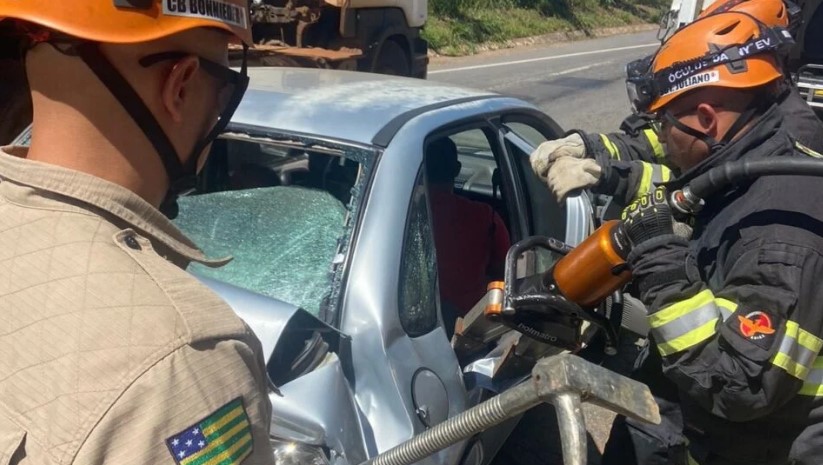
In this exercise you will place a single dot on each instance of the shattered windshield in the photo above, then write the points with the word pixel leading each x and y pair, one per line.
pixel 282 210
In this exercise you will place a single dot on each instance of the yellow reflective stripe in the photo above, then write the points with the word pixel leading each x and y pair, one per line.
pixel 814 381
pixel 807 150
pixel 645 181
pixel 797 351
pixel 665 173
pixel 686 323
pixel 675 311
pixel 790 366
pixel 654 141
pixel 811 390
pixel 610 147
pixel 690 339
pixel 803 337
pixel 727 307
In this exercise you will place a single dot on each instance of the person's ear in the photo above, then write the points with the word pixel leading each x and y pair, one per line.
pixel 457 167
pixel 177 87
pixel 708 119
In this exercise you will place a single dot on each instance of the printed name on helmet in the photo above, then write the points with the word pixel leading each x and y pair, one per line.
pixel 681 71
pixel 215 10
pixel 710 76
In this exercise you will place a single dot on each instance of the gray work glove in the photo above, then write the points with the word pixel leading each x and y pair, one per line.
pixel 568 174
pixel 571 146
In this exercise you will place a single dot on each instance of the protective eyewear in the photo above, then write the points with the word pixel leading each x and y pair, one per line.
pixel 232 84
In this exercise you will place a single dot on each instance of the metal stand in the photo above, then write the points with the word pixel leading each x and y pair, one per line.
pixel 564 380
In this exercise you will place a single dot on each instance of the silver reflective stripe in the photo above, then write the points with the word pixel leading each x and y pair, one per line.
pixel 657 175
pixel 727 307
pixel 796 352
pixel 815 377
pixel 813 385
pixel 689 321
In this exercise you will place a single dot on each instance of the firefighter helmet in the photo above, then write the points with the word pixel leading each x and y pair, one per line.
pixel 131 21
pixel 731 50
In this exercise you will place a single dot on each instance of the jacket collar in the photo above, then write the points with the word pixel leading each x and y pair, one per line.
pixel 92 194
pixel 757 142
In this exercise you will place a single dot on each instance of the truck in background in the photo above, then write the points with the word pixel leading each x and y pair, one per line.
pixel 806 58
pixel 380 36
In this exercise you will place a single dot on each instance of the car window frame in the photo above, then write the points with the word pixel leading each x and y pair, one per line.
pixel 579 220
pixel 514 207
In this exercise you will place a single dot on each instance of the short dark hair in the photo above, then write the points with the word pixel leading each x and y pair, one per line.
pixel 441 161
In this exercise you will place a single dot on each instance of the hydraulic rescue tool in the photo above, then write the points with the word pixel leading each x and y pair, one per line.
pixel 552 307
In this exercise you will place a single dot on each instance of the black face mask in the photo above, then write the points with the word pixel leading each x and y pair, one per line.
pixel 181 175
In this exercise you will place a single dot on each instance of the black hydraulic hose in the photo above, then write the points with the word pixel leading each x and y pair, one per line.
pixel 719 178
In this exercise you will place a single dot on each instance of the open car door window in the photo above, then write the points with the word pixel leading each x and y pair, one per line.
pixel 571 222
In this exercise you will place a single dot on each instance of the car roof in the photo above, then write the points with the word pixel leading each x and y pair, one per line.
pixel 343 105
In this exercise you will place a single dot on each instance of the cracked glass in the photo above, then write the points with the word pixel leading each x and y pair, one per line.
pixel 283 210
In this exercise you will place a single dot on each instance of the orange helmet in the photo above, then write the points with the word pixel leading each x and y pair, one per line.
pixel 769 12
pixel 131 21
pixel 88 23
pixel 730 50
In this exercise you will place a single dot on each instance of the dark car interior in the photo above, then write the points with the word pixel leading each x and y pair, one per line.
pixel 238 165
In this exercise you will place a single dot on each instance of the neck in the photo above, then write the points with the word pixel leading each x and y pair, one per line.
pixel 113 149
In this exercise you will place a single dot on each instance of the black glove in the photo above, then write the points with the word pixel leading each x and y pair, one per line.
pixel 619 179
pixel 648 217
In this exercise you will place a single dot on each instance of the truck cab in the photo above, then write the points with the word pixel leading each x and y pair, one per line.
pixel 381 36
pixel 806 59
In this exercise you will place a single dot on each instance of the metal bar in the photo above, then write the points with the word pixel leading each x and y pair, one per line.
pixel 572 428
pixel 479 418
pixel 563 380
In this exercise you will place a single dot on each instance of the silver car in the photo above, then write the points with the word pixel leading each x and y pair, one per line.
pixel 318 190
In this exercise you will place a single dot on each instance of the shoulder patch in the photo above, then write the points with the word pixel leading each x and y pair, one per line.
pixel 223 438
pixel 757 327
pixel 807 151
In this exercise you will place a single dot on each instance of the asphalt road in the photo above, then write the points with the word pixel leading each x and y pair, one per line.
pixel 579 84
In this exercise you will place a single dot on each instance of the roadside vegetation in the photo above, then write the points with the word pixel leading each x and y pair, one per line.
pixel 460 27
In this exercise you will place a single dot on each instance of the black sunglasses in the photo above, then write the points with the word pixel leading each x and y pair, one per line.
pixel 236 81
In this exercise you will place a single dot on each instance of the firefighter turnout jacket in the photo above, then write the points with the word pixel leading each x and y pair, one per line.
pixel 633 160
pixel 736 312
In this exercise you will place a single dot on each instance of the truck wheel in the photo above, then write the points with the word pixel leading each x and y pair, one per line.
pixel 392 60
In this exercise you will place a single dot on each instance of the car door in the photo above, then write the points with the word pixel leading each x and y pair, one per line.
pixel 571 222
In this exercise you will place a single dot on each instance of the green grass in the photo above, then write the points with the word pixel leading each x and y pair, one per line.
pixel 458 27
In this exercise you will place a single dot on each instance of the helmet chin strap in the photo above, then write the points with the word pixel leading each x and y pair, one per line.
pixel 714 144
pixel 181 176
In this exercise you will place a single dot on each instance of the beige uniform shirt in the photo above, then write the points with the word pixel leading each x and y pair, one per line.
pixel 109 352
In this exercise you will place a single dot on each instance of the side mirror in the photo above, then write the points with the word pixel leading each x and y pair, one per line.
pixel 667 24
